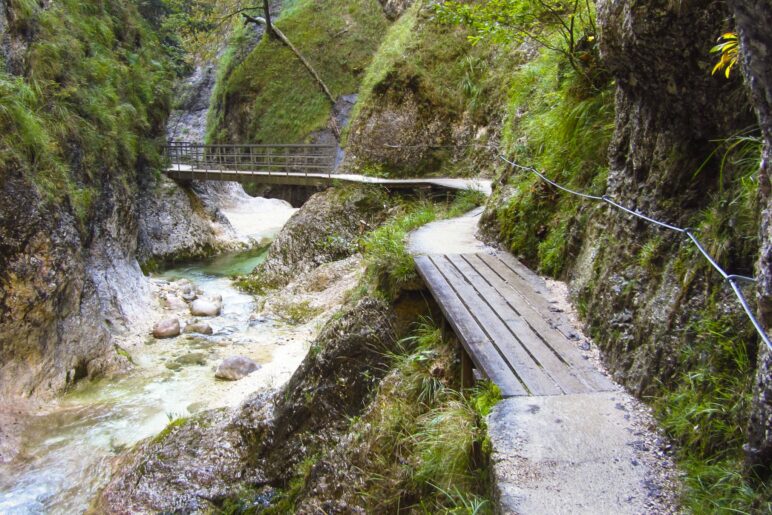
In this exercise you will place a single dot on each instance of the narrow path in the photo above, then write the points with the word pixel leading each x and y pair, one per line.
pixel 454 236
pixel 593 452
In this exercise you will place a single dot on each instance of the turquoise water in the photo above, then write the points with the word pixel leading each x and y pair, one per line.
pixel 227 265
pixel 68 453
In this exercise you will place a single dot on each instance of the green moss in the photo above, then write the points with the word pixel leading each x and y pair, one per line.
pixel 297 313
pixel 285 500
pixel 170 427
pixel 255 283
pixel 270 97
pixel 123 352
pixel 96 79
pixel 82 200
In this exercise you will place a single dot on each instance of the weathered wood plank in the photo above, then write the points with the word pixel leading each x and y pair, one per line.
pixel 491 272
pixel 473 338
pixel 521 361
pixel 536 282
pixel 520 277
pixel 562 373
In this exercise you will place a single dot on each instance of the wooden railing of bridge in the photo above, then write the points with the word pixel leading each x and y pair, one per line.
pixel 197 161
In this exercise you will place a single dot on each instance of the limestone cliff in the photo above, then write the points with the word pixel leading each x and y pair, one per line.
pixel 753 20
pixel 82 123
pixel 327 229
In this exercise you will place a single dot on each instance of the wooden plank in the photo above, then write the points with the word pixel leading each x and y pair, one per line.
pixel 562 373
pixel 556 339
pixel 474 340
pixel 512 351
pixel 519 284
pixel 532 296
pixel 522 275
pixel 522 271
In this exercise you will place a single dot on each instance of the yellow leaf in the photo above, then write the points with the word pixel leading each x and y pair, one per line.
pixel 729 68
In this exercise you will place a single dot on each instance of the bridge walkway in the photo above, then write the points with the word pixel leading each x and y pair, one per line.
pixel 565 439
pixel 293 165
pixel 496 308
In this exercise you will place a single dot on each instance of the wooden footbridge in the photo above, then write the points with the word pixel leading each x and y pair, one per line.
pixel 291 165
pixel 496 307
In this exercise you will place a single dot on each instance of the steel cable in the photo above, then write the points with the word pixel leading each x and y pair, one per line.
pixel 732 279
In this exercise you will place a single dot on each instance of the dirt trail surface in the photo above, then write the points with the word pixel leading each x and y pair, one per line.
pixel 582 453
pixel 454 236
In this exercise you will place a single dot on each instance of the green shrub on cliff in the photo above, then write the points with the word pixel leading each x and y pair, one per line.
pixel 426 94
pixel 707 411
pixel 419 447
pixel 270 97
pixel 95 89
pixel 558 126
pixel 423 439
pixel 389 264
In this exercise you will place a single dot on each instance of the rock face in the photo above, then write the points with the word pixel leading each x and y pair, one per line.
pixel 59 286
pixel 326 229
pixel 188 123
pixel 666 117
pixel 69 275
pixel 329 387
pixel 753 18
pixel 400 118
pixel 413 121
pixel 174 224
pixel 394 8
pixel 194 461
pixel 214 455
pixel 235 368
pixel 168 328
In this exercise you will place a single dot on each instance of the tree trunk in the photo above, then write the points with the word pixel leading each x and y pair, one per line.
pixel 269 32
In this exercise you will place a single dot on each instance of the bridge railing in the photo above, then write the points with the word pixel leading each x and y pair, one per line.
pixel 269 160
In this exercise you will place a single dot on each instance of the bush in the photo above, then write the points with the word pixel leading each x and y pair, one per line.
pixel 97 80
pixel 389 264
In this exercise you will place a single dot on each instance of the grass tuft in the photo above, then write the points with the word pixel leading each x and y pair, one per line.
pixel 707 412
pixel 389 265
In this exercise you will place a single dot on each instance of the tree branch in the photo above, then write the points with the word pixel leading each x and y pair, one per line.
pixel 280 35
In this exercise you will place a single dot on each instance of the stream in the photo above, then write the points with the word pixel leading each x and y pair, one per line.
pixel 69 450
